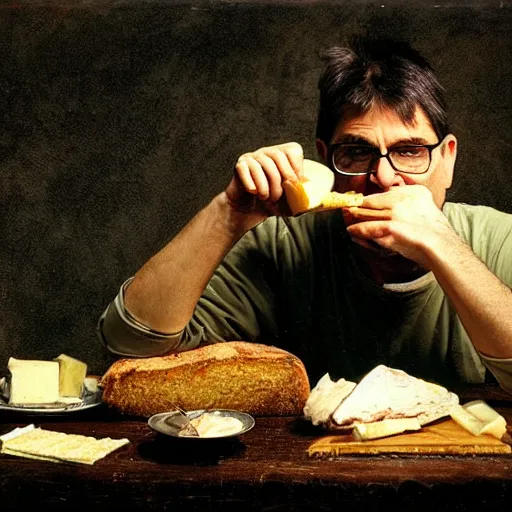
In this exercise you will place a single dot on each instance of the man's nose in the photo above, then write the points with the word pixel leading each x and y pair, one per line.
pixel 384 176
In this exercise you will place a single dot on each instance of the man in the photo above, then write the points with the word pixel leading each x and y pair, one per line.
pixel 406 280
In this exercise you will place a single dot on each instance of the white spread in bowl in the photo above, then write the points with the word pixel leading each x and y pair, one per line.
pixel 214 425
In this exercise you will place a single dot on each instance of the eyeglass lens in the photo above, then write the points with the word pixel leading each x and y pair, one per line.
pixel 353 159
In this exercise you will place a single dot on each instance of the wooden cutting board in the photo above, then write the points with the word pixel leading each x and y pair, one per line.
pixel 444 438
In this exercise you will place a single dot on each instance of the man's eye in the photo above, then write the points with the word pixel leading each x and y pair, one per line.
pixel 409 151
pixel 357 151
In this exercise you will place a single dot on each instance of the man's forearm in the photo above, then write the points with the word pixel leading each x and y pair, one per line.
pixel 165 291
pixel 481 300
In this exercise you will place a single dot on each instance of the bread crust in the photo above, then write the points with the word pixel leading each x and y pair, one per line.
pixel 334 200
pixel 258 379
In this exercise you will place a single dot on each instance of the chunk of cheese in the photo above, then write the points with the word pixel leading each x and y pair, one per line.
pixel 33 382
pixel 306 195
pixel 325 397
pixel 314 191
pixel 72 374
pixel 466 420
pixel 384 428
pixel 495 423
pixel 479 418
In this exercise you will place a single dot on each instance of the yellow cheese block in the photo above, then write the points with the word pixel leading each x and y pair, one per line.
pixel 72 374
pixel 33 382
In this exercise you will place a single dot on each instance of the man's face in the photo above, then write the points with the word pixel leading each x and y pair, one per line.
pixel 383 129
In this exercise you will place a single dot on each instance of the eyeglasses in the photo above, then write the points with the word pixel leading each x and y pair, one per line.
pixel 359 159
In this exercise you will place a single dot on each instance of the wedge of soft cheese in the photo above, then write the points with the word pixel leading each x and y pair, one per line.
pixel 33 382
pixel 495 423
pixel 72 374
pixel 325 397
pixel 387 393
pixel 384 428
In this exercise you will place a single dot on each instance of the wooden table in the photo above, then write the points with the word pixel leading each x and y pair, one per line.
pixel 265 469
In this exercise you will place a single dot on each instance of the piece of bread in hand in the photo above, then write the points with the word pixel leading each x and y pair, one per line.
pixel 258 379
pixel 314 192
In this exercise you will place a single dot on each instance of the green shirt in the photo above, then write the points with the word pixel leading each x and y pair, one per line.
pixel 297 285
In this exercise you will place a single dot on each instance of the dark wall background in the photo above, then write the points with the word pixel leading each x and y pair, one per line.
pixel 119 120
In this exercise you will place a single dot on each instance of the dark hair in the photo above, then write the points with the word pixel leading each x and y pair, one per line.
pixel 372 73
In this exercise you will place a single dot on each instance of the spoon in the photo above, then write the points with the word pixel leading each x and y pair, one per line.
pixel 182 421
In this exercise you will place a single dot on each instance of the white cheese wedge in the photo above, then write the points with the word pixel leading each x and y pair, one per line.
pixel 33 382
pixel 325 397
pixel 495 423
pixel 384 428
pixel 388 393
pixel 72 374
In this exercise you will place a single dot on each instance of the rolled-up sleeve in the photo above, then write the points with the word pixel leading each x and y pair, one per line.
pixel 501 369
pixel 238 304
pixel 125 336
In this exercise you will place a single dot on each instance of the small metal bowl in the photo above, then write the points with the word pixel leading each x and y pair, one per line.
pixel 160 423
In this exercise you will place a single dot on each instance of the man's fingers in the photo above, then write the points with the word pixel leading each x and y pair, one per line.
pixel 372 229
pixel 295 155
pixel 262 172
pixel 273 175
pixel 244 174
pixel 285 166
pixel 367 214
pixel 375 236
pixel 259 177
pixel 378 201
pixel 397 195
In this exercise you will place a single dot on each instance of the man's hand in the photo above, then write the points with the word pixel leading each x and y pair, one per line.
pixel 256 188
pixel 404 220
pixel 165 291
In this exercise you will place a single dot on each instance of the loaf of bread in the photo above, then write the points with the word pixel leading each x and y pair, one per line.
pixel 258 379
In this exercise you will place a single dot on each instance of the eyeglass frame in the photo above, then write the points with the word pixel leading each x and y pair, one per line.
pixel 333 147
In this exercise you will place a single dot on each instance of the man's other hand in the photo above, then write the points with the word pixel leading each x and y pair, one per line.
pixel 404 220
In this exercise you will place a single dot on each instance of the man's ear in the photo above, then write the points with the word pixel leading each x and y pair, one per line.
pixel 449 155
pixel 321 149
